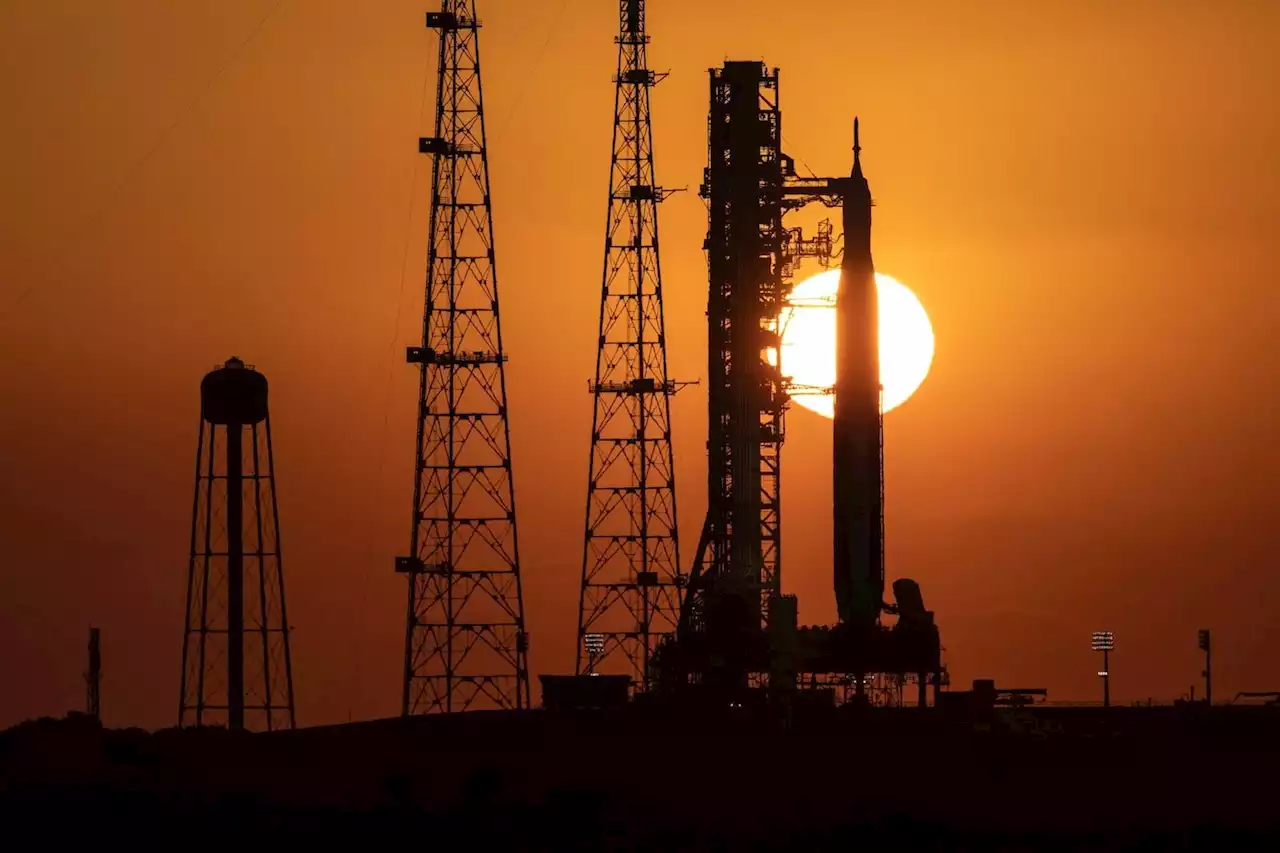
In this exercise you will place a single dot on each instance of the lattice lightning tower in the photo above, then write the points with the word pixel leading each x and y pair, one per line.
pixel 631 574
pixel 465 640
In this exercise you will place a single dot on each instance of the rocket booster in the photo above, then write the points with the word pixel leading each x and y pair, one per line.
pixel 857 447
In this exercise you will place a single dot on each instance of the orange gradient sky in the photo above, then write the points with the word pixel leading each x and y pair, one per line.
pixel 1085 195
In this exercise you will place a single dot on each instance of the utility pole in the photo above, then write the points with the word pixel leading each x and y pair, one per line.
pixel 93 678
pixel 465 640
pixel 1105 641
pixel 629 599
pixel 1206 647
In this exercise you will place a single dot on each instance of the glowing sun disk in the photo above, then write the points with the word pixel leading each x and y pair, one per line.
pixel 809 340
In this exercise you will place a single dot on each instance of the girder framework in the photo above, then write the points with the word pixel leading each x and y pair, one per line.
pixel 465 640
pixel 737 631
pixel 631 571
pixel 740 551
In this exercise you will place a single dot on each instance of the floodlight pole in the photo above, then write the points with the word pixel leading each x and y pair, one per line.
pixel 1106 678
pixel 594 646
pixel 1105 641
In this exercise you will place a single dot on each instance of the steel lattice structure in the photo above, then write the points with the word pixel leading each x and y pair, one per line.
pixel 236 666
pixel 631 575
pixel 465 640
pixel 737 631
pixel 740 550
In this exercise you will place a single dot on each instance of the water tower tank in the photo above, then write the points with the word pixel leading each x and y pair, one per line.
pixel 234 394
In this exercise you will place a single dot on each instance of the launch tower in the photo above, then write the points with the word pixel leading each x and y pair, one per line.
pixel 465 640
pixel 737 568
pixel 737 629
pixel 236 667
pixel 631 575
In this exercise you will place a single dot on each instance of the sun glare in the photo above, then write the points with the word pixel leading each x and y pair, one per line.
pixel 809 341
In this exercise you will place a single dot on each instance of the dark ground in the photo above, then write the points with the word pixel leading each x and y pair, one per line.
pixel 649 779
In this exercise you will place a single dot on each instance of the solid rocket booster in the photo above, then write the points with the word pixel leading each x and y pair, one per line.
pixel 857 446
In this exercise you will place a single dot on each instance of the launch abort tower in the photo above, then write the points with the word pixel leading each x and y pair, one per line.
pixel 236 667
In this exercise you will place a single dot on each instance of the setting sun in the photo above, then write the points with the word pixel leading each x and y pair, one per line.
pixel 809 341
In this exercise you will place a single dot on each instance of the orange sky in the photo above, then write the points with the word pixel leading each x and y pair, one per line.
pixel 1085 200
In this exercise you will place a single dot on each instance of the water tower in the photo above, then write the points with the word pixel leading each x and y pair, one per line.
pixel 236 670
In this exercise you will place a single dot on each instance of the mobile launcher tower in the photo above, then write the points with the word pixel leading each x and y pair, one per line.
pixel 737 630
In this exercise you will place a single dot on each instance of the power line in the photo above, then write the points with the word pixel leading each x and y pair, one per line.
pixel 530 78
pixel 395 329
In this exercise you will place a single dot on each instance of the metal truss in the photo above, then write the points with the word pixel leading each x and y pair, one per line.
pixel 465 640
pixel 740 550
pixel 631 572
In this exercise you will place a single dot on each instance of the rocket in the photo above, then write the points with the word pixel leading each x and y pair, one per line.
pixel 857 445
